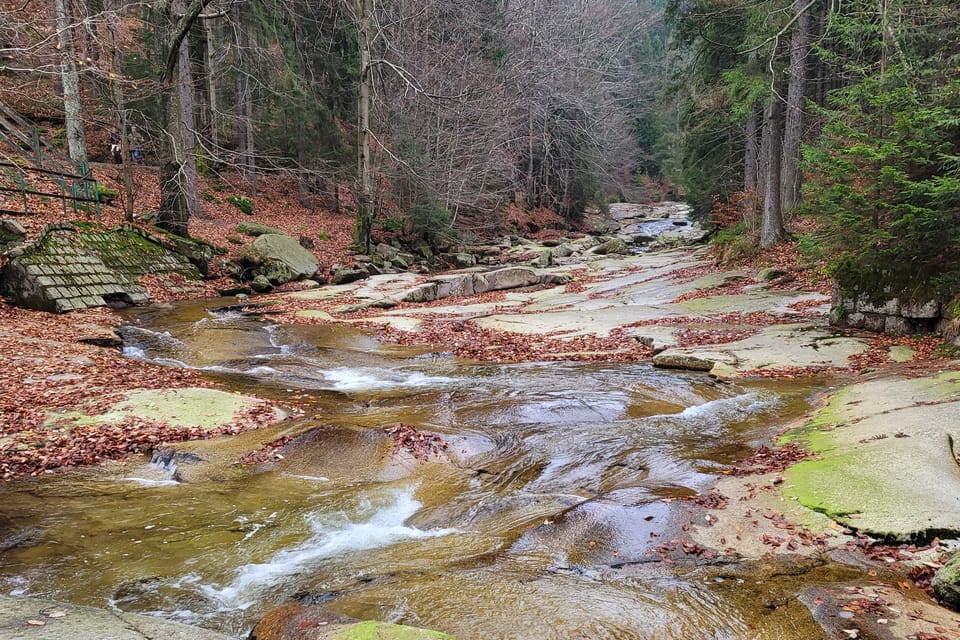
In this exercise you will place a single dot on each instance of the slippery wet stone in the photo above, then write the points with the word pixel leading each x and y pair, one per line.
pixel 41 619
pixel 885 461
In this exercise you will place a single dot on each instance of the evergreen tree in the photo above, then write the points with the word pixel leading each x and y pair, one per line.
pixel 884 173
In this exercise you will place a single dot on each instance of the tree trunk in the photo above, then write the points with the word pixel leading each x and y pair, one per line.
pixel 244 105
pixel 771 226
pixel 188 126
pixel 793 129
pixel 751 166
pixel 365 187
pixel 73 115
pixel 212 102
pixel 119 104
pixel 172 30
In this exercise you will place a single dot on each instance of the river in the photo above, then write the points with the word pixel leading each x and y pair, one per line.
pixel 562 480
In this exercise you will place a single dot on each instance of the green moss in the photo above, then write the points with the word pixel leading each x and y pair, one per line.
pixel 828 486
pixel 243 203
pixel 371 630
pixel 106 194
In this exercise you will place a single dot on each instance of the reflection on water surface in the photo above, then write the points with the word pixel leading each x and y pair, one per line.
pixel 541 525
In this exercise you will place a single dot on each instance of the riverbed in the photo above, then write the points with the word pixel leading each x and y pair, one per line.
pixel 542 519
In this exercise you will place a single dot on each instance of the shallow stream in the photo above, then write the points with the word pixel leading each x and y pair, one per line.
pixel 561 480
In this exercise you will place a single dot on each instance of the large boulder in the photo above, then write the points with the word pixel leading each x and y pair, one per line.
pixel 257 229
pixel 508 278
pixel 346 275
pixel 282 248
pixel 946 582
pixel 611 247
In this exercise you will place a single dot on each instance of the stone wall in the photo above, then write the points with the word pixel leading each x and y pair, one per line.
pixel 892 316
pixel 75 266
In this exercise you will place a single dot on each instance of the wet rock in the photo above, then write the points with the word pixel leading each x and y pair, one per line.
pixel 42 619
pixel 297 622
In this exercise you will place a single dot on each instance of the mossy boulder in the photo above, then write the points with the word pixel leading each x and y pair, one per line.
pixel 885 461
pixel 199 407
pixel 277 247
pixel 946 582
pixel 612 246
pixel 255 229
pixel 261 283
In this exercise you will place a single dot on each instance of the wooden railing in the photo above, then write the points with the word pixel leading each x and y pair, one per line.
pixel 38 168
pixel 81 192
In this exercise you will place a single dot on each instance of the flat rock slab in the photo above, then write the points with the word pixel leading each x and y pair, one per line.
pixel 878 611
pixel 779 346
pixel 190 407
pixel 759 522
pixel 886 464
pixel 40 619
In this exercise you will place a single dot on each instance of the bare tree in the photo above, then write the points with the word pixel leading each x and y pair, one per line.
pixel 793 127
pixel 173 26
pixel 73 113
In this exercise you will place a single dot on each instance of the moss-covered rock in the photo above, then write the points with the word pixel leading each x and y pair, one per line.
pixel 275 247
pixel 885 464
pixel 946 582
pixel 371 630
pixel 255 229
pixel 190 407
pixel 261 283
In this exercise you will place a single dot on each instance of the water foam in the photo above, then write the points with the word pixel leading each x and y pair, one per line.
pixel 726 408
pixel 350 379
pixel 331 535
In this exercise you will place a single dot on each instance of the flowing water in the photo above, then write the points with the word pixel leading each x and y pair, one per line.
pixel 540 526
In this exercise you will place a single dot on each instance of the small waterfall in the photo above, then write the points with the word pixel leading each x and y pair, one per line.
pixel 161 471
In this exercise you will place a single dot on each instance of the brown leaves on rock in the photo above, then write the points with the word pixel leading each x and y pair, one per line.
pixel 46 371
pixel 770 460
pixel 466 340
pixel 269 452
pixel 712 500
pixel 698 337
pixel 47 448
pixel 422 446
